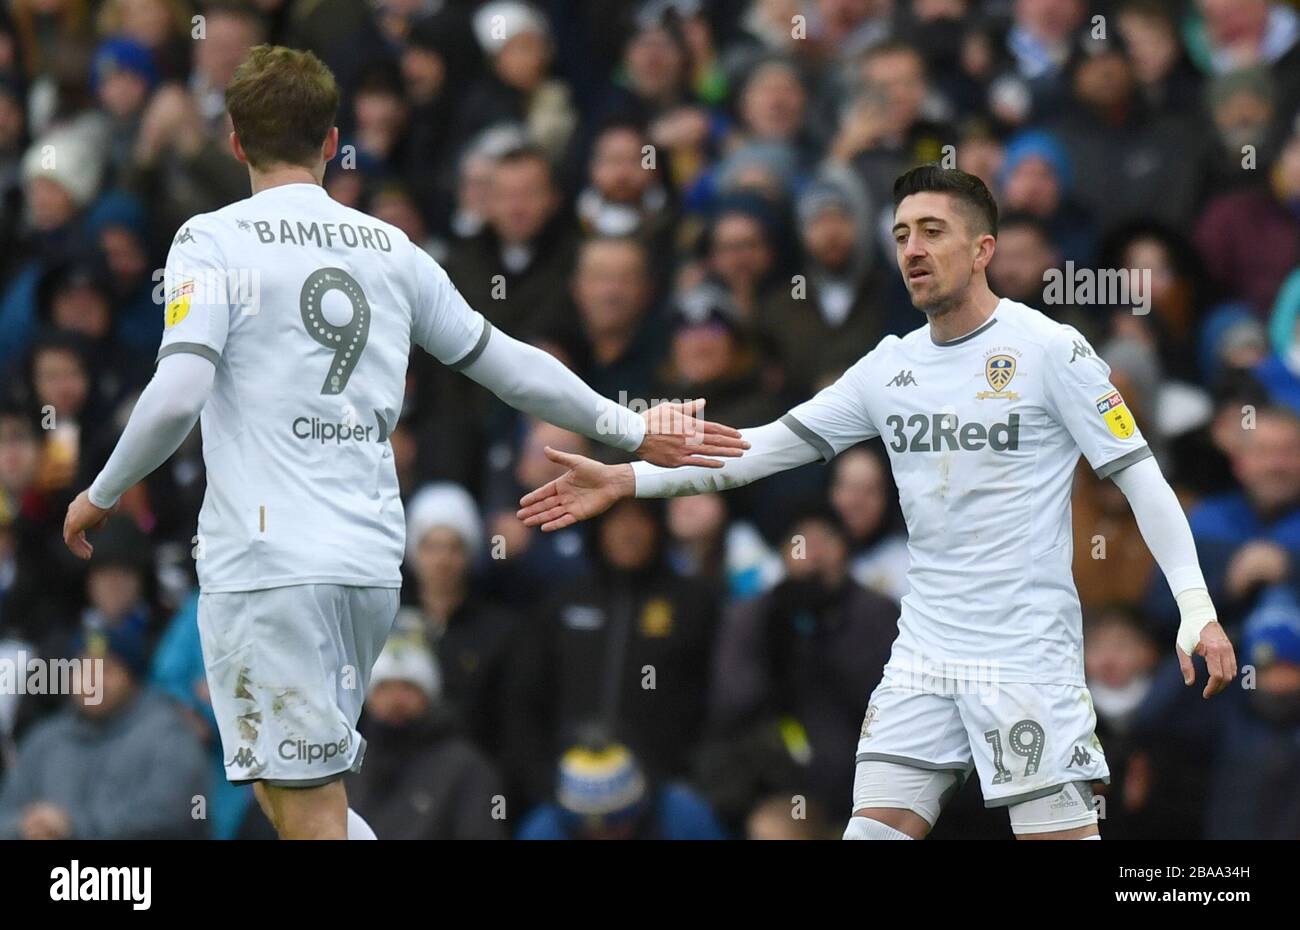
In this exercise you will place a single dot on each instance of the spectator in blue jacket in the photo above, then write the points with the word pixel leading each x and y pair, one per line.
pixel 1249 538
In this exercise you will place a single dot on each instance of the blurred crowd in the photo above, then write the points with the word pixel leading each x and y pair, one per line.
pixel 679 199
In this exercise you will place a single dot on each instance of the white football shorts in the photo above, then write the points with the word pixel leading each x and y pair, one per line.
pixel 287 674
pixel 1026 741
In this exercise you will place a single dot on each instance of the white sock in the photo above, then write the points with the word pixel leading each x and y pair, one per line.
pixel 358 829
pixel 1095 836
pixel 864 828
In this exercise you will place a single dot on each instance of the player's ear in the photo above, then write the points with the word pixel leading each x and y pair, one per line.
pixel 237 148
pixel 331 147
pixel 985 246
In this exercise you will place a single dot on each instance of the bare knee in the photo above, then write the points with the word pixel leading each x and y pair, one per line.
pixel 1079 833
pixel 264 802
pixel 317 813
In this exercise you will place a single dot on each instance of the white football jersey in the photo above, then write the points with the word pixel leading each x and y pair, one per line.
pixel 309 310
pixel 983 434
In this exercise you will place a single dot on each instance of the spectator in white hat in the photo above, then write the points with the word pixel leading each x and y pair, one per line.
pixel 60 175
pixel 516 39
pixel 447 506
pixel 61 172
pixel 472 637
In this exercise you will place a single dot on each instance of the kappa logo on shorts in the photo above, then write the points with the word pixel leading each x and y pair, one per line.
pixel 245 759
pixel 1081 757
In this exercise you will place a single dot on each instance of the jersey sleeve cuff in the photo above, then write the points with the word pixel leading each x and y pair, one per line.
pixel 1123 462
pixel 97 497
pixel 824 448
pixel 628 430
pixel 472 355
pixel 192 348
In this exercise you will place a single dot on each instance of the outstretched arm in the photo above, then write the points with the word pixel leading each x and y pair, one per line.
pixel 1082 398
pixel 1169 537
pixel 819 428
pixel 590 488
pixel 537 383
pixel 534 381
pixel 162 418
pixel 773 448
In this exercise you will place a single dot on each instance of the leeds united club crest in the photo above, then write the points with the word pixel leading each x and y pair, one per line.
pixel 998 371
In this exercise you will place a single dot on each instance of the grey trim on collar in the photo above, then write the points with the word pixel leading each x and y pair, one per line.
pixel 193 348
pixel 1124 461
pixel 824 448
pixel 960 339
pixel 472 355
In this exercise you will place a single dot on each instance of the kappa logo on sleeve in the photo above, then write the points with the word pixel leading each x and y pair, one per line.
pixel 178 303
pixel 1119 420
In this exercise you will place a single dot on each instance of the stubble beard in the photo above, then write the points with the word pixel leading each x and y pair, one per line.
pixel 939 305
pixel 943 303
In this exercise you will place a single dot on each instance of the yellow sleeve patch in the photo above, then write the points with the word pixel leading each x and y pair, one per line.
pixel 178 304
pixel 1119 420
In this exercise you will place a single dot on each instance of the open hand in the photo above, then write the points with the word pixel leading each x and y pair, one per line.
pixel 586 490
pixel 676 435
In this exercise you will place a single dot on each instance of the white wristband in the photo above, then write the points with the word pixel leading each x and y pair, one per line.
pixel 1196 611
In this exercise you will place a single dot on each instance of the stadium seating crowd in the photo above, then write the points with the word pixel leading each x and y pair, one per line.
pixel 678 199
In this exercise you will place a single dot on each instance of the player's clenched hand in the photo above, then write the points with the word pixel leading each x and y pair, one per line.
pixel 82 516
pixel 586 490
pixel 1220 659
pixel 676 435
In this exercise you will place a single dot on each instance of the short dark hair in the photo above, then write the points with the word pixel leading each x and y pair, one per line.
pixel 956 183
